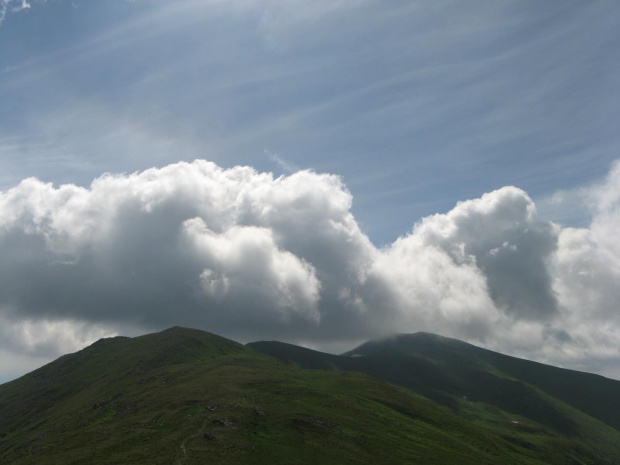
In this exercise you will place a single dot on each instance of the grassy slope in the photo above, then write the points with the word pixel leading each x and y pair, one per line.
pixel 595 395
pixel 184 396
pixel 499 389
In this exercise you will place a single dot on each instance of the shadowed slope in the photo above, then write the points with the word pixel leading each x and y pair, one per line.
pixel 595 395
pixel 471 380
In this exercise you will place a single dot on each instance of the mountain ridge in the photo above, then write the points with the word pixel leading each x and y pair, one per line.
pixel 423 352
pixel 185 396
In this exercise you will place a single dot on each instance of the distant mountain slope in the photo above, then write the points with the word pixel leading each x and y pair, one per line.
pixel 184 396
pixel 595 395
pixel 462 376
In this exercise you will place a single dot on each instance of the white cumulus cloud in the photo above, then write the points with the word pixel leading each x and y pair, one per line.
pixel 252 256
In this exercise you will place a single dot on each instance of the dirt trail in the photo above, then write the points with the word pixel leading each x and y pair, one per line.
pixel 183 457
pixel 182 447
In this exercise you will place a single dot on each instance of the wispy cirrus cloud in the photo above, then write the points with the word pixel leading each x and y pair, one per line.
pixel 12 6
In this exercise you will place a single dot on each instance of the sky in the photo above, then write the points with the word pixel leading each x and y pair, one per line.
pixel 320 173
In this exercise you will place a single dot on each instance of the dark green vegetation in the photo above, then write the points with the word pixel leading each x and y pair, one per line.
pixel 487 388
pixel 184 396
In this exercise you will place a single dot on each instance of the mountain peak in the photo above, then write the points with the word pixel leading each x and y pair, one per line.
pixel 401 342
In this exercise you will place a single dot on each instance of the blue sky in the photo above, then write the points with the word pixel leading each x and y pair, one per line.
pixel 414 105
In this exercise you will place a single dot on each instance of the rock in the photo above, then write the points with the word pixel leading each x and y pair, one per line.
pixel 222 422
pixel 312 423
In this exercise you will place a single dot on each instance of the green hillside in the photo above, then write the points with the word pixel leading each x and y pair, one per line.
pixel 184 396
pixel 482 386
pixel 595 395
